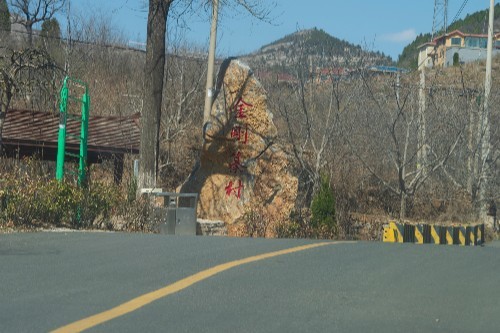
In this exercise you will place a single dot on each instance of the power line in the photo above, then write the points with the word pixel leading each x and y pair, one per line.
pixel 186 56
pixel 459 11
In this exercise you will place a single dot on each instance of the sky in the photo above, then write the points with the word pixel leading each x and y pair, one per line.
pixel 377 25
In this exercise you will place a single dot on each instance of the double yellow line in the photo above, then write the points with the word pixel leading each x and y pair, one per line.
pixel 143 300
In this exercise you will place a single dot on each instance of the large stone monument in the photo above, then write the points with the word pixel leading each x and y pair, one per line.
pixel 241 168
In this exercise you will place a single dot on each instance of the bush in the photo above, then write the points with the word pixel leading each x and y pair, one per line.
pixel 323 206
pixel 27 202
pixel 97 204
pixel 30 202
pixel 300 226
pixel 136 215
pixel 256 223
pixel 319 221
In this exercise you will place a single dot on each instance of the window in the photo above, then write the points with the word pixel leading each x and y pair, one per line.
pixel 456 41
pixel 483 43
pixel 478 42
pixel 472 42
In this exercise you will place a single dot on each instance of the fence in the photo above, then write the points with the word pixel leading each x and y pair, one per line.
pixel 467 235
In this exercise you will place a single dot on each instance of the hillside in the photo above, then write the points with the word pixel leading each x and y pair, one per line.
pixel 320 49
pixel 475 23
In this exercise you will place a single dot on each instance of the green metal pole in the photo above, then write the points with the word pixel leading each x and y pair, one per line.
pixel 82 171
pixel 61 140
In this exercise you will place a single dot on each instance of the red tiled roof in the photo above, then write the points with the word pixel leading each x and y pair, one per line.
pixel 463 34
pixel 40 129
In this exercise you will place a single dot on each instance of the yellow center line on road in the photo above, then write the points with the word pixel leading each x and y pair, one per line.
pixel 143 300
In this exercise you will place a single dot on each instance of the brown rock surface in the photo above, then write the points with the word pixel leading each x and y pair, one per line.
pixel 241 168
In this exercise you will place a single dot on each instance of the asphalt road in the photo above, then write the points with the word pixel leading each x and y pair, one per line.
pixel 48 280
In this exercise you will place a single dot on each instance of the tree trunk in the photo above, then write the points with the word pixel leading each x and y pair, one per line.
pixel 5 98
pixel 153 88
pixel 2 121
pixel 29 30
pixel 422 145
pixel 471 161
pixel 402 206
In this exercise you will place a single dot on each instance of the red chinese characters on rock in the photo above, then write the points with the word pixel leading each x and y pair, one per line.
pixel 232 189
pixel 236 165
pixel 240 133
pixel 241 108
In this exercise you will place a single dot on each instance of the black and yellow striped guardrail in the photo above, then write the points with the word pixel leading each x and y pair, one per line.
pixel 469 235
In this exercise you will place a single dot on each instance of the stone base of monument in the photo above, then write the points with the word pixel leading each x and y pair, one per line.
pixel 210 228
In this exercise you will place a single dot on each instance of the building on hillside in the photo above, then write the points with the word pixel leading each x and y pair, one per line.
pixel 455 46
pixel 387 70
pixel 276 77
pixel 322 75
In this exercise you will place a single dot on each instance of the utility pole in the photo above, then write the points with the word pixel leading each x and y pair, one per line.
pixel 211 59
pixel 485 124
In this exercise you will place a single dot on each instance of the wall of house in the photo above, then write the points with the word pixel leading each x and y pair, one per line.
pixel 466 55
pixel 424 59
pixel 440 55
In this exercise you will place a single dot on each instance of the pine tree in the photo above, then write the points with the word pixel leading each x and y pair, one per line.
pixel 323 205
pixel 4 17
pixel 51 28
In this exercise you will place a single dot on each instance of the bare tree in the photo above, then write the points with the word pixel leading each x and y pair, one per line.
pixel 181 121
pixel 12 65
pixel 311 97
pixel 466 171
pixel 389 119
pixel 30 12
pixel 99 55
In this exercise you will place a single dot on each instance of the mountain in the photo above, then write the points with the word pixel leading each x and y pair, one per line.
pixel 475 23
pixel 317 48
